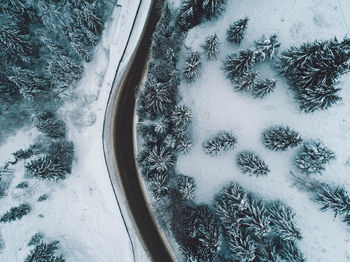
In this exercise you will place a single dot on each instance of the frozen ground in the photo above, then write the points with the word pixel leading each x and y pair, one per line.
pixel 81 211
pixel 215 106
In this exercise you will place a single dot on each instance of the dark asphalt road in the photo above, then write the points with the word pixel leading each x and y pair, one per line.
pixel 123 145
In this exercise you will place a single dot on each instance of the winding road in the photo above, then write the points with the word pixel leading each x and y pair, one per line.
pixel 118 138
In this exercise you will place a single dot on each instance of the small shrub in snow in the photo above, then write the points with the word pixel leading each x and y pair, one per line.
pixel 186 186
pixel 22 185
pixel 239 64
pixel 160 159
pixel 266 47
pixel 192 67
pixel 45 168
pixel 43 197
pixel 236 31
pixel 290 252
pixel 252 164
pixel 16 213
pixel 263 88
pixel 211 47
pixel 246 82
pixel 313 157
pixel 333 198
pixel 220 143
pixel 282 221
pixel 45 252
pixel 281 138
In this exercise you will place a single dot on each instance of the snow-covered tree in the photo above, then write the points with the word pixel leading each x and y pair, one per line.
pixel 211 46
pixel 161 126
pixel 35 239
pixel 313 157
pixel 45 252
pixel 61 153
pixel 290 252
pixel 220 143
pixel 281 138
pixel 239 64
pixel 282 222
pixel 50 125
pixel 44 168
pixel 236 31
pixel 242 246
pixel 213 8
pixel 159 185
pixel 313 69
pixel 336 199
pixel 186 186
pixel 16 213
pixel 250 163
pixel 192 67
pixel 160 159
pixel 256 219
pixel 23 154
pixel 263 88
pixel 266 47
pixel 246 82
pixel 183 145
pixel 181 116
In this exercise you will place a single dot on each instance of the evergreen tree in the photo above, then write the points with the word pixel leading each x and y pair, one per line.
pixel 256 219
pixel 236 31
pixel 266 47
pixel 313 157
pixel 220 143
pixel 49 124
pixel 282 222
pixel 161 126
pixel 246 83
pixel 186 186
pixel 183 145
pixel 213 8
pixel 160 159
pixel 45 252
pixel 239 64
pixel 252 164
pixel 211 47
pixel 290 252
pixel 159 185
pixel 313 69
pixel 263 88
pixel 242 246
pixel 333 198
pixel 61 153
pixel 181 116
pixel 16 213
pixel 281 138
pixel 192 67
pixel 23 154
pixel 35 239
pixel 44 168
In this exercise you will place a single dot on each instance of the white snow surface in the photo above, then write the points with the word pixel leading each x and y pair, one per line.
pixel 216 106
pixel 81 211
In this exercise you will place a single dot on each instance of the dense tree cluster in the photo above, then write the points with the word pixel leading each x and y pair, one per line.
pixel 313 69
pixel 281 138
pixel 236 31
pixel 42 47
pixel 220 143
pixel 16 213
pixel 252 164
pixel 313 157
pixel 256 230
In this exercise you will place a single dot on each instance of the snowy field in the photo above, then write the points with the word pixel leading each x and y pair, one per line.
pixel 81 211
pixel 216 106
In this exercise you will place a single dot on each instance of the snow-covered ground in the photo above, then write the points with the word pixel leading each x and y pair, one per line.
pixel 81 211
pixel 216 106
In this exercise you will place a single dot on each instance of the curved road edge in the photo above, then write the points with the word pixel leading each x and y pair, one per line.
pixel 119 148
